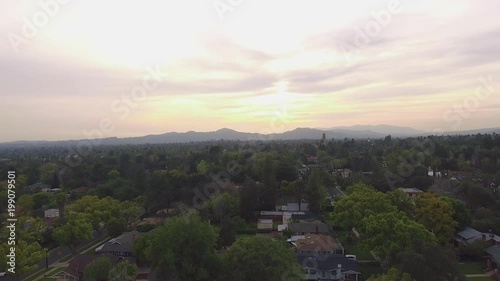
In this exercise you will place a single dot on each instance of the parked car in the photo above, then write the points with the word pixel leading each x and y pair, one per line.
pixel 351 257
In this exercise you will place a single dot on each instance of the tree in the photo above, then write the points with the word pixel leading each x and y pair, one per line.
pixel 387 234
pixel 436 215
pixel 33 229
pixel 249 199
pixel 116 227
pixel 426 261
pixel 47 171
pixel 76 230
pixel 402 201
pixel 476 249
pixel 42 198
pixel 98 269
pixel 261 258
pixel 223 206
pixel 228 229
pixel 184 248
pixel 61 199
pixel 392 275
pixel 25 204
pixel 315 191
pixel 461 214
pixel 28 255
pixel 123 271
pixel 361 202
pixel 268 192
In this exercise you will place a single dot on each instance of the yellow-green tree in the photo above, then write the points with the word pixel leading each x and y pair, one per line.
pixel 436 215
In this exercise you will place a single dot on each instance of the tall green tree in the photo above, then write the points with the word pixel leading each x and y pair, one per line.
pixel 402 201
pixel 261 258
pixel 462 214
pixel 184 248
pixel 76 230
pixel 28 255
pixel 360 202
pixel 426 261
pixel 315 191
pixel 387 234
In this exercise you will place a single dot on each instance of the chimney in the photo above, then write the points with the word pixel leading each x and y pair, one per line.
pixel 484 237
pixel 339 271
pixel 317 229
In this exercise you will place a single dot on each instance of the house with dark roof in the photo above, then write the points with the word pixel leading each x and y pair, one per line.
pixel 493 257
pixel 328 267
pixel 74 271
pixel 304 228
pixel 295 207
pixel 319 244
pixel 412 192
pixel 36 187
pixel 122 246
pixel 469 235
pixel 306 216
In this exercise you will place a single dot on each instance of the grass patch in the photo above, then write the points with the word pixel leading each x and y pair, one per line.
pixel 478 279
pixel 243 236
pixel 470 268
pixel 361 253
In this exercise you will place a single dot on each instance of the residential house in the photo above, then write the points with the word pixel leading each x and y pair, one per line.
pixel 37 187
pixel 265 224
pixel 74 271
pixel 493 257
pixel 295 207
pixel 304 228
pixel 412 192
pixel 331 267
pixel 51 213
pixel 469 235
pixel 319 244
pixel 345 173
pixel 122 245
pixel 306 216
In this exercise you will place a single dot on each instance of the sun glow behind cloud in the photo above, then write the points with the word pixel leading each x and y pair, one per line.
pixel 266 59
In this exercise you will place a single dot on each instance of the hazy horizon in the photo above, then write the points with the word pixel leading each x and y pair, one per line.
pixel 127 68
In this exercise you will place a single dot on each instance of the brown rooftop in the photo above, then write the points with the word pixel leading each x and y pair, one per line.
pixel 318 243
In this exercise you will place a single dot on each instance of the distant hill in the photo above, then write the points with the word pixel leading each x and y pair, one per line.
pixel 382 130
pixel 357 132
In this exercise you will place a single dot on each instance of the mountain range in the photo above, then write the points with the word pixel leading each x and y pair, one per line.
pixel 357 132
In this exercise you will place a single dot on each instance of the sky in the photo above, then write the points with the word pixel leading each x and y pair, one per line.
pixel 74 69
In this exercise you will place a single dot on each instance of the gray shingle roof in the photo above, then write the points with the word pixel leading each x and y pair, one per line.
pixel 494 251
pixel 327 262
pixel 309 227
pixel 469 233
pixel 122 243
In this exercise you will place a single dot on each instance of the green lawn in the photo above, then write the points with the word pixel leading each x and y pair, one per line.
pixel 361 254
pixel 243 236
pixel 470 268
pixel 478 279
